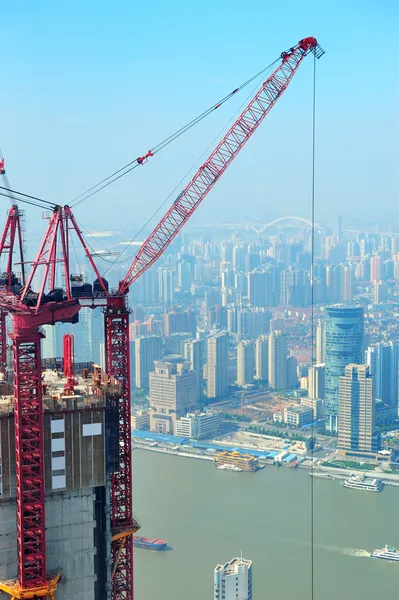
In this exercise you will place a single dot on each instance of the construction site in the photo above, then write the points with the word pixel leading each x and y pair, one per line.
pixel 66 511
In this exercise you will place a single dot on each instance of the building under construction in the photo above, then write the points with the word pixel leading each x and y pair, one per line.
pixel 80 451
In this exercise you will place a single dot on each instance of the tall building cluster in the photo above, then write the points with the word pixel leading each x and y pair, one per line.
pixel 233 313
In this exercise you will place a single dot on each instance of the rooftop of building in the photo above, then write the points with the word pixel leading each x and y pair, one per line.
pixel 230 567
pixel 298 409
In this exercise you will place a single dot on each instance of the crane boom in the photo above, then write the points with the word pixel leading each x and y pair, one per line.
pixel 227 149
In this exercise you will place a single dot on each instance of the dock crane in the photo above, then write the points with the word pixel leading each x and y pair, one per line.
pixel 30 310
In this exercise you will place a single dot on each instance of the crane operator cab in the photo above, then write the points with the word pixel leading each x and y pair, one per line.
pixel 2 168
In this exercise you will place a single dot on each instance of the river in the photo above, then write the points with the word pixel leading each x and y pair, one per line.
pixel 209 516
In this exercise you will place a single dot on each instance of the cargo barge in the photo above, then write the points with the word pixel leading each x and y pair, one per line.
pixel 149 543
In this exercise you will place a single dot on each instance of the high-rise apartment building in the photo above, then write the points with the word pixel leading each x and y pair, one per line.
pixel 263 287
pixel 292 372
pixel 147 349
pixel 177 321
pixel 356 414
pixel 217 365
pixel 344 345
pixel 252 322
pixel 245 362
pixel 262 358
pixel 172 394
pixel 278 357
pixel 194 352
pixel 145 289
pixel 233 580
pixel 295 287
pixel 49 345
pixel 376 264
pixel 317 381
pixel 166 286
pixel 382 360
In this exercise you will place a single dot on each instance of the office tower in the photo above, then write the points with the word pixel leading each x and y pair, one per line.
pixel 344 343
pixel 382 360
pixel 166 286
pixel 356 414
pixel 177 321
pixel 233 580
pixel 292 372
pixel 262 358
pixel 147 349
pixel 320 342
pixel 278 367
pixel 317 381
pixel 194 351
pixel 245 362
pixel 172 394
pixel 217 365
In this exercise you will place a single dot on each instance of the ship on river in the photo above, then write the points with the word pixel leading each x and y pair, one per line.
pixel 361 482
pixel 149 543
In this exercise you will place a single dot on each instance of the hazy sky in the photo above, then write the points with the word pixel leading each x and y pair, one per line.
pixel 89 85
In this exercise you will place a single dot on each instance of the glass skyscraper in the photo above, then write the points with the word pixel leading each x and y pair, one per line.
pixel 344 345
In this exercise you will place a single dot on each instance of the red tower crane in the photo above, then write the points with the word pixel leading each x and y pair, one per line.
pixel 49 305
pixel 116 314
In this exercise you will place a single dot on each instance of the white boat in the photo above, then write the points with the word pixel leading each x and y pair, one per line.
pixel 228 467
pixel 361 482
pixel 387 553
pixel 322 475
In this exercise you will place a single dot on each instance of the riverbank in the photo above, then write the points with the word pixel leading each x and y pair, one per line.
pixel 308 464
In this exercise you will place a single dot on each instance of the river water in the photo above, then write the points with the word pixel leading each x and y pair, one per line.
pixel 209 516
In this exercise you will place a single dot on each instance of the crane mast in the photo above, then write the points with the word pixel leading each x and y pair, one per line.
pixel 30 310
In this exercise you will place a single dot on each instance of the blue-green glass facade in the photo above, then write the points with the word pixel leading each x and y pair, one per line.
pixel 344 345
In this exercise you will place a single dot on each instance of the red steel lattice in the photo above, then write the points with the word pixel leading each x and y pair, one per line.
pixel 31 532
pixel 116 330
